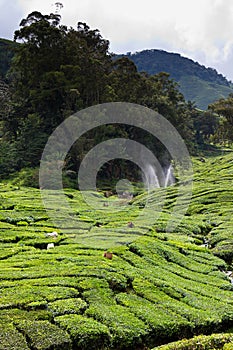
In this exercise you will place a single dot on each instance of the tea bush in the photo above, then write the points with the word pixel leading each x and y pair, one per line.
pixel 43 335
pixel 86 333
pixel 215 341
pixel 11 339
pixel 159 286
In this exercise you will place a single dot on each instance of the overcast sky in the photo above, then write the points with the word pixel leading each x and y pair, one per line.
pixel 198 29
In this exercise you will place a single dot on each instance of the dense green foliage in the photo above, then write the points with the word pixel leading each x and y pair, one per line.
pixel 7 49
pixel 224 109
pixel 197 83
pixel 158 287
pixel 212 342
pixel 57 71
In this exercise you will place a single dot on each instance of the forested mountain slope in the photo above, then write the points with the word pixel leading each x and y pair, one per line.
pixel 6 54
pixel 197 83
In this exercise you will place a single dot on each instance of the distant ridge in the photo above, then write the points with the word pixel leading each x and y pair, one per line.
pixel 198 84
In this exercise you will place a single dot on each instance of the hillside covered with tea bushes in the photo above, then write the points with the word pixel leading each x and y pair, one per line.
pixel 159 287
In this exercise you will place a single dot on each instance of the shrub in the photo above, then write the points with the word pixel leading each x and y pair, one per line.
pixel 14 297
pixel 11 339
pixel 212 342
pixel 67 306
pixel 165 324
pixel 42 335
pixel 128 331
pixel 86 333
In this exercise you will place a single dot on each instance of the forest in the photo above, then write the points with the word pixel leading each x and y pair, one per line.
pixel 197 83
pixel 51 72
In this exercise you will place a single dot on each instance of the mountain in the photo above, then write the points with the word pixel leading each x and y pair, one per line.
pixel 6 54
pixel 197 83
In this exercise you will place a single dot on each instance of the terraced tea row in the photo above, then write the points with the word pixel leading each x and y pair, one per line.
pixel 158 287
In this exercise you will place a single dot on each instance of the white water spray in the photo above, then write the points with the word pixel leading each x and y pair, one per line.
pixel 169 177
pixel 153 179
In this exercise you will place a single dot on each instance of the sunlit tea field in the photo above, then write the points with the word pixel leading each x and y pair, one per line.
pixel 156 288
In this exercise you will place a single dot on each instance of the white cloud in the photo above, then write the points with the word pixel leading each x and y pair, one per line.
pixel 10 16
pixel 201 29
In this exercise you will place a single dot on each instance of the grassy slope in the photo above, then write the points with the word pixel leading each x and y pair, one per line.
pixel 158 288
pixel 198 84
pixel 202 92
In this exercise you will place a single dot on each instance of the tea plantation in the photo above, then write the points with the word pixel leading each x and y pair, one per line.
pixel 162 290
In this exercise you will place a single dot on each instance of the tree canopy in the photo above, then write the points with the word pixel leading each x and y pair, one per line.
pixel 224 109
pixel 58 71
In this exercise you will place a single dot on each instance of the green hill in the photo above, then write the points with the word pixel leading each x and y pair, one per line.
pixel 6 54
pixel 197 83
pixel 158 288
pixel 202 91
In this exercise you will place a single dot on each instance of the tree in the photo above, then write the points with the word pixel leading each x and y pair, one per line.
pixel 36 65
pixel 124 80
pixel 224 109
pixel 57 71
pixel 53 62
pixel 87 53
pixel 205 125
pixel 8 119
pixel 5 97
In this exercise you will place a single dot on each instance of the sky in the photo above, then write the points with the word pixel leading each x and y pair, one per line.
pixel 199 29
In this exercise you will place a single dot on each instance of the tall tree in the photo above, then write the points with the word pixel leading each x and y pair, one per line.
pixel 57 71
pixel 224 109
pixel 36 67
